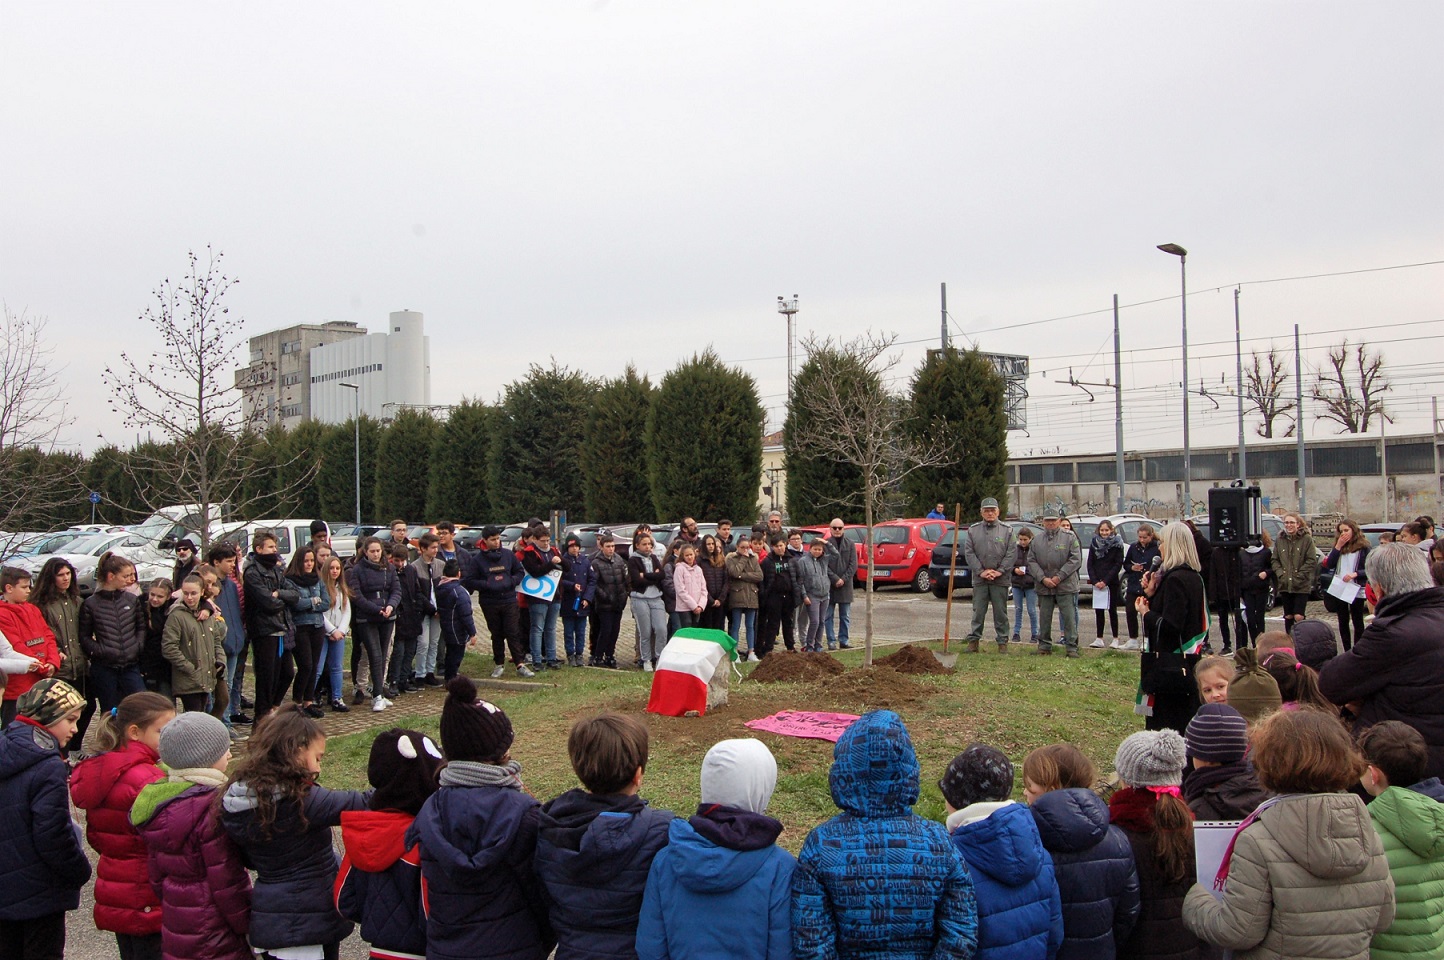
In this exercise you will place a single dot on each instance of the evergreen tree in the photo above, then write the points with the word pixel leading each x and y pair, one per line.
pixel 539 427
pixel 819 486
pixel 402 461
pixel 614 451
pixel 106 474
pixel 457 489
pixel 957 396
pixel 301 455
pixel 336 477
pixel 260 486
pixel 704 442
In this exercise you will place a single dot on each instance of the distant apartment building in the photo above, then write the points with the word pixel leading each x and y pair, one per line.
pixel 392 371
pixel 276 384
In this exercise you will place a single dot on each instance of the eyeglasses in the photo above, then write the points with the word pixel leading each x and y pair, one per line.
pixel 837 529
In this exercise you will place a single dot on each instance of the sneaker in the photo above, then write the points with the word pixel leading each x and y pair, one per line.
pixel 401 687
pixel 432 680
pixel 1016 639
pixel 844 646
pixel 247 703
pixel 554 664
pixel 242 719
pixel 389 693
pixel 359 698
pixel 1034 640
pixel 832 646
pixel 610 663
pixel 647 667
pixel 339 706
pixel 1131 645
pixel 379 704
pixel 313 711
pixel 522 670
pixel 753 658
pixel 1097 644
pixel 499 672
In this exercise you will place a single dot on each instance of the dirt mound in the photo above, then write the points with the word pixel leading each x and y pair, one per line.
pixel 868 688
pixel 789 667
pixel 913 659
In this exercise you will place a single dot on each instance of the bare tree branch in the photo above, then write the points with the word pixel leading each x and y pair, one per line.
pixel 1351 387
pixel 1263 387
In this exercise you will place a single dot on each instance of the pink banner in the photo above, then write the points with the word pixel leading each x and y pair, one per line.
pixel 805 723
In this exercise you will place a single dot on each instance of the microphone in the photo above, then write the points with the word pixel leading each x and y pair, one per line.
pixel 1157 562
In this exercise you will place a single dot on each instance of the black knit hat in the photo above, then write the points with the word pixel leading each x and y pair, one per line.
pixel 980 773
pixel 403 769
pixel 473 729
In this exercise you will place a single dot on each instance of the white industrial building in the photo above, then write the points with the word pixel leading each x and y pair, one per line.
pixel 392 370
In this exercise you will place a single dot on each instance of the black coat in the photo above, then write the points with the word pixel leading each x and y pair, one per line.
pixel 1227 792
pixel 1142 556
pixel 415 604
pixel 1105 565
pixel 1159 933
pixel 494 575
pixel 267 615
pixel 1175 616
pixel 1225 577
pixel 612 582
pixel 1094 866
pixel 777 587
pixel 374 587
pixel 42 862
pixel 112 627
pixel 1396 669
pixel 1251 564
pixel 645 571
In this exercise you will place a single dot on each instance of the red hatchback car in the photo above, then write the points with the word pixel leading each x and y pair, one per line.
pixel 902 549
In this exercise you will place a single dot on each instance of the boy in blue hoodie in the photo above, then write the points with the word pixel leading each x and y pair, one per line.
pixel 877 880
pixel 723 862
pixel 595 845
pixel 1020 915
pixel 478 834
pixel 379 883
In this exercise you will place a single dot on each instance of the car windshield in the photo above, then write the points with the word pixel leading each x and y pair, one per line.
pixel 1085 531
pixel 882 535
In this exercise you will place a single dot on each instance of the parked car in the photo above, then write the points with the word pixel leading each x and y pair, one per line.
pixel 469 538
pixel 344 537
pixel 84 555
pixel 942 555
pixel 290 534
pixel 901 551
pixel 1371 531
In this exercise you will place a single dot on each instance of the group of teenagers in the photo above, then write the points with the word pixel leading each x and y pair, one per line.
pixel 447 856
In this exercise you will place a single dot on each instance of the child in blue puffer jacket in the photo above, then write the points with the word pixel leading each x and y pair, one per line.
pixel 723 863
pixel 1020 915
pixel 877 880
pixel 379 883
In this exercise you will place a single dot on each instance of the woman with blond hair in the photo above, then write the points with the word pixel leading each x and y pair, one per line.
pixel 1175 625
pixel 1296 566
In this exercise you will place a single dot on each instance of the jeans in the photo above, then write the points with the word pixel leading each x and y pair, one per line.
pixel 604 637
pixel 113 684
pixel 990 594
pixel 543 631
pixel 333 657
pixel 1025 597
pixel 844 612
pixel 574 635
pixel 816 617
pixel 651 616
pixel 1067 604
pixel 738 616
pixel 429 647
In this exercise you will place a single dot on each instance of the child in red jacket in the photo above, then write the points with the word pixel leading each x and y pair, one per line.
pixel 105 786
pixel 379 884
pixel 22 623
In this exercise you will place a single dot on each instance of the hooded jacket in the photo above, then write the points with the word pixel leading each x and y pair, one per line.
pixel 62 615
pixel 42 864
pixel 194 650
pixel 453 613
pixel 593 853
pixel 379 882
pixel 691 586
pixel 1295 562
pixel 1230 791
pixel 724 864
pixel 374 587
pixel 1396 669
pixel 849 900
pixel 418 581
pixel 112 627
pixel 494 575
pixel 577 584
pixel 197 870
pixel 105 787
pixel 1307 879
pixel 24 626
pixel 744 575
pixel 1093 863
pixel 295 864
pixel 1253 561
pixel 1411 827
pixel 1142 556
pixel 480 891
pixel 1020 914
pixel 1430 788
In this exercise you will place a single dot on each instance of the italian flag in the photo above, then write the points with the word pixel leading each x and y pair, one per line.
pixel 685 668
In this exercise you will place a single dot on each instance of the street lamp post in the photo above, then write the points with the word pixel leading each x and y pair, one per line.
pixel 1182 255
pixel 356 393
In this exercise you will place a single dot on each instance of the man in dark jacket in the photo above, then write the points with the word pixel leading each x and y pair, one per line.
pixel 610 585
pixel 988 551
pixel 494 574
pixel 268 620
pixel 774 599
pixel 223 557
pixel 842 564
pixel 1395 670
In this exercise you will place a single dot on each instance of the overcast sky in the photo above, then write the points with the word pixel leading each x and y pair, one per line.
pixel 617 182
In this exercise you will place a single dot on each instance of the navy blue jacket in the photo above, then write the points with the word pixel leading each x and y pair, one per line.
pixel 373 588
pixel 291 902
pixel 1430 788
pixel 480 893
pixel 379 883
pixel 576 571
pixel 42 862
pixel 593 853
pixel 453 612
pixel 494 575
pixel 229 600
pixel 709 886
pixel 1097 880
pixel 1020 915
pixel 877 881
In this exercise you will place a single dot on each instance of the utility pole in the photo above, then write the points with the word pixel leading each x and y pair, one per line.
pixel 1299 415
pixel 1118 405
pixel 1438 479
pixel 788 308
pixel 1384 461
pixel 1238 386
pixel 945 317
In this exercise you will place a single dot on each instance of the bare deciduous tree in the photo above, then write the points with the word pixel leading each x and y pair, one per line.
pixel 852 418
pixel 1350 386
pixel 1263 386
pixel 37 484
pixel 185 395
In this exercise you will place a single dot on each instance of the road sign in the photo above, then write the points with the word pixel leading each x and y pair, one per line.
pixel 94 497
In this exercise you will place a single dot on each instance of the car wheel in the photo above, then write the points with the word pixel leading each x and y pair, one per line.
pixel 922 581
pixel 940 591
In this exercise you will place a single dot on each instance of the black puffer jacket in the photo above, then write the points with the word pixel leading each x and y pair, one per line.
pixel 1225 576
pixel 1251 564
pixel 1096 876
pixel 112 627
pixel 267 615
pixel 612 582
pixel 374 587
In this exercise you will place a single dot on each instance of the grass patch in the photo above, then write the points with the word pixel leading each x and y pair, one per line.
pixel 1016 702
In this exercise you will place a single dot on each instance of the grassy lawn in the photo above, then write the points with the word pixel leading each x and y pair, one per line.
pixel 1015 702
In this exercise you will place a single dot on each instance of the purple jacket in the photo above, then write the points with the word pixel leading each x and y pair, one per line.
pixel 196 870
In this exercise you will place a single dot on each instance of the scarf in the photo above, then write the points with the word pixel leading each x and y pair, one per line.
pixel 1220 879
pixel 1102 545
pixel 472 773
pixel 307 580
pixel 205 776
